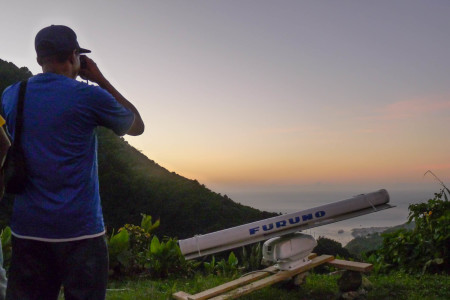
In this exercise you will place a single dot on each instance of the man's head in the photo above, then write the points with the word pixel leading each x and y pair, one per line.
pixel 57 44
pixel 56 39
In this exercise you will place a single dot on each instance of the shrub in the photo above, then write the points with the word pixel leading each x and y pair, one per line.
pixel 425 249
pixel 251 257
pixel 210 267
pixel 5 237
pixel 119 252
pixel 127 248
pixel 330 247
pixel 134 251
pixel 228 267
pixel 165 258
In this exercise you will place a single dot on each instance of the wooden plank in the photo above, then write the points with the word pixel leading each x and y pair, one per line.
pixel 233 284
pixel 181 295
pixel 280 276
pixel 237 282
pixel 230 285
pixel 351 265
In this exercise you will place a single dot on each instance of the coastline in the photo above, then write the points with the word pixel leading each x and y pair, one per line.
pixel 342 231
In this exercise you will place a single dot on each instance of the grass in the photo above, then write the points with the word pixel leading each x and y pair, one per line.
pixel 145 288
pixel 394 286
pixel 400 286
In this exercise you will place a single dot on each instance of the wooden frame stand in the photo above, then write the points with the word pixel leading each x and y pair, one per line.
pixel 260 279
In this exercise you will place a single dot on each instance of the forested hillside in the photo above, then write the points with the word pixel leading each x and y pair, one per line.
pixel 10 73
pixel 131 184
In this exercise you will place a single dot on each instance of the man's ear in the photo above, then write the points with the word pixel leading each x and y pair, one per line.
pixel 73 57
pixel 39 60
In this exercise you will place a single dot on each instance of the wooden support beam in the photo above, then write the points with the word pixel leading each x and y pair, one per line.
pixel 351 265
pixel 280 276
pixel 181 295
pixel 253 281
pixel 260 279
pixel 227 286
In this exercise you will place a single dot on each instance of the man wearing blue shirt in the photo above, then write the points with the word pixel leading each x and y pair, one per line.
pixel 57 222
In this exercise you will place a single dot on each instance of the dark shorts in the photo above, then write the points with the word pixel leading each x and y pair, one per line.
pixel 39 269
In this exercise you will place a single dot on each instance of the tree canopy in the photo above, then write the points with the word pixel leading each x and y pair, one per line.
pixel 10 73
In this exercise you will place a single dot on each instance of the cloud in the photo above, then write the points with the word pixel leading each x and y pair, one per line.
pixel 413 108
pixel 409 109
pixel 286 130
pixel 434 167
pixel 365 121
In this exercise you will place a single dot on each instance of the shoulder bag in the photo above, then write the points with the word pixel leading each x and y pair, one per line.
pixel 15 174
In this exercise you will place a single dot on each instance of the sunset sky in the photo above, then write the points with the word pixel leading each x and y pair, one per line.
pixel 317 94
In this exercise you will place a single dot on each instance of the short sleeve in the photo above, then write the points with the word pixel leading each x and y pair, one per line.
pixel 110 113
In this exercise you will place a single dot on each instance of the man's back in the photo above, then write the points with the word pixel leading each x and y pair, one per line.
pixel 57 224
pixel 61 200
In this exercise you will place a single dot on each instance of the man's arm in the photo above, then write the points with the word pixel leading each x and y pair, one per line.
pixel 4 146
pixel 92 73
pixel 4 142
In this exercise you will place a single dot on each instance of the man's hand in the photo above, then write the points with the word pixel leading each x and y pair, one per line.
pixel 90 71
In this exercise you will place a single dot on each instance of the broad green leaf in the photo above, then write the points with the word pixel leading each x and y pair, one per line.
pixel 155 245
pixel 119 242
pixel 6 236
pixel 146 222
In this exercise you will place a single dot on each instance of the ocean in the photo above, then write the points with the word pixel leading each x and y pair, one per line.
pixel 290 202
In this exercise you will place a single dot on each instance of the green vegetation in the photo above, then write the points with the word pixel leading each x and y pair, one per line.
pixel 368 244
pixel 5 237
pixel 131 184
pixel 10 74
pixel 398 285
pixel 393 286
pixel 329 246
pixel 251 257
pixel 377 285
pixel 426 248
pixel 364 244
pixel 129 246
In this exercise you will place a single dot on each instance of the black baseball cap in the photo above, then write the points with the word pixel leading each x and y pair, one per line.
pixel 56 39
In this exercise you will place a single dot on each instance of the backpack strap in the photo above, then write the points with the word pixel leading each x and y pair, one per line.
pixel 19 115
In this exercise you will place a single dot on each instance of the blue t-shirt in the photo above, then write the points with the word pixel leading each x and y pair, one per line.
pixel 61 200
